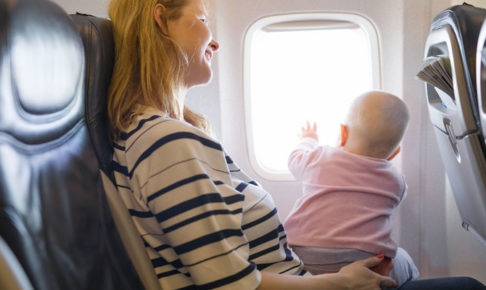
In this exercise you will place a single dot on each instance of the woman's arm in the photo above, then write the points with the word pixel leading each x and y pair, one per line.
pixel 356 276
pixel 193 213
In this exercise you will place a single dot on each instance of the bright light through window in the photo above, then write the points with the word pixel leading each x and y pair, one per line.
pixel 299 71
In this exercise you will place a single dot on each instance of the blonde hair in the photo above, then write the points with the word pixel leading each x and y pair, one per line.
pixel 149 66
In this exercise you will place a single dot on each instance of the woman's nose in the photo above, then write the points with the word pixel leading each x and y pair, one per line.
pixel 214 45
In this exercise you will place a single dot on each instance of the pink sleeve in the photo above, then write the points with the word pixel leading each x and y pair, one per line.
pixel 302 156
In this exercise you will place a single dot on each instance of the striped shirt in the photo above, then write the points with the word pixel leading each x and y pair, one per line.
pixel 205 224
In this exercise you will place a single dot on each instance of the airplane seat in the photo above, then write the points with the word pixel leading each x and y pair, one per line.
pixel 54 217
pixel 455 116
pixel 97 37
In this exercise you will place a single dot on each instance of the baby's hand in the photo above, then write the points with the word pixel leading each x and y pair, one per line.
pixel 309 131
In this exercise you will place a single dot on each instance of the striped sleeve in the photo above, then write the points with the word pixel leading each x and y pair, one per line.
pixel 181 175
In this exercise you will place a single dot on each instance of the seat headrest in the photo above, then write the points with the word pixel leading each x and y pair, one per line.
pixel 41 72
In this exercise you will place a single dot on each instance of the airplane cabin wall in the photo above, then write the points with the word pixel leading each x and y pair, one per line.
pixel 427 224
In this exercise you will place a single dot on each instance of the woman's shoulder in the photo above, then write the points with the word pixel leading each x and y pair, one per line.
pixel 157 125
pixel 150 128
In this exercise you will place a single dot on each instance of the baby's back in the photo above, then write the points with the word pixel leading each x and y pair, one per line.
pixel 347 203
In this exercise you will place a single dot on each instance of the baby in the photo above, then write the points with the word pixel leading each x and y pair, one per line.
pixel 349 192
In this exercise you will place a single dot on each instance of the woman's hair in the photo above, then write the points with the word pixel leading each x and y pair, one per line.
pixel 149 66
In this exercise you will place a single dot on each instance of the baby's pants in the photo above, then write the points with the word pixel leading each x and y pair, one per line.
pixel 326 260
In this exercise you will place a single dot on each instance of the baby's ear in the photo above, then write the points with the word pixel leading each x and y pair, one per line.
pixel 344 135
pixel 395 153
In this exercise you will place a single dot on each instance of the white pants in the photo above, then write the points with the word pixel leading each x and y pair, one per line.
pixel 326 260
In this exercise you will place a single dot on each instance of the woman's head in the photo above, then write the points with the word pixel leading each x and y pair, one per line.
pixel 191 33
pixel 155 61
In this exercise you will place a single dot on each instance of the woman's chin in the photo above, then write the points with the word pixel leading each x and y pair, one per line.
pixel 201 80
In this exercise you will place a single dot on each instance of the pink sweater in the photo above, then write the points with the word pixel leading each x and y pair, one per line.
pixel 347 199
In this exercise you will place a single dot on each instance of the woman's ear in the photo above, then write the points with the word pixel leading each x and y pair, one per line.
pixel 159 11
pixel 344 135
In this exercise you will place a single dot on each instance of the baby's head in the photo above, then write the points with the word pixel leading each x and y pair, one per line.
pixel 375 125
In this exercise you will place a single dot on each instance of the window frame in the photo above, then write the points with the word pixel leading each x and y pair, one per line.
pixel 297 18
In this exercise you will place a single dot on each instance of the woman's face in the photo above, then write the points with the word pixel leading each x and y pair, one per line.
pixel 192 34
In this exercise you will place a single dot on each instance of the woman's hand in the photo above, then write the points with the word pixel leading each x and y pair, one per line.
pixel 360 277
pixel 355 276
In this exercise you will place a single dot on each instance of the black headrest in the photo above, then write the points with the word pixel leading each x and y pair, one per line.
pixel 42 70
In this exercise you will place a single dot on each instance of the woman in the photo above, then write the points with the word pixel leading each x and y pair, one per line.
pixel 205 224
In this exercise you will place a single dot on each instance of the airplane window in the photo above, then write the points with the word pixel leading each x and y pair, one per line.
pixel 303 67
